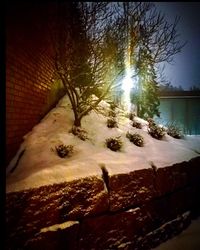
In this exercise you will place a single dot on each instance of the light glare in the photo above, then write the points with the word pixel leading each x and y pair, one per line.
pixel 126 86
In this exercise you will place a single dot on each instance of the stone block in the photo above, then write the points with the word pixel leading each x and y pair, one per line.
pixel 177 176
pixel 130 188
pixel 163 233
pixel 30 210
pixel 171 178
pixel 112 231
pixel 60 236
pixel 193 170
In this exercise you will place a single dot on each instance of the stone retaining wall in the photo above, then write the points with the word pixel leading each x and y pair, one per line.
pixel 137 210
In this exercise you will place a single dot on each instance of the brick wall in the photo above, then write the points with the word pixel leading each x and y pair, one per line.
pixel 31 90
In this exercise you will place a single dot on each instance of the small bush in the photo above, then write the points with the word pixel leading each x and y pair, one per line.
pixel 151 122
pixel 113 106
pixel 79 132
pixel 114 143
pixel 112 113
pixel 111 123
pixel 156 131
pixel 135 138
pixel 137 124
pixel 132 115
pixel 174 131
pixel 63 150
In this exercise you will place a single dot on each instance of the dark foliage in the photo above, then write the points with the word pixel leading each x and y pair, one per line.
pixel 112 123
pixel 112 113
pixel 79 132
pixel 132 115
pixel 113 106
pixel 174 131
pixel 135 138
pixel 63 150
pixel 137 124
pixel 155 131
pixel 114 143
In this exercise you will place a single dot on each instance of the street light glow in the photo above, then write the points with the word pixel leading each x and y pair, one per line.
pixel 126 86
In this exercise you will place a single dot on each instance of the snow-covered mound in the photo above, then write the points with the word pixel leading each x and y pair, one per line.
pixel 37 163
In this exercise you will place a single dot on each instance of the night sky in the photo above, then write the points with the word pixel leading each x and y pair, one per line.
pixel 185 70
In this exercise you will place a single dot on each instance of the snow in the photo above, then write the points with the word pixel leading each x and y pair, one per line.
pixel 40 165
pixel 57 227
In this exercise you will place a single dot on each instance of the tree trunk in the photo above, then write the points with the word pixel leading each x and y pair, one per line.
pixel 77 122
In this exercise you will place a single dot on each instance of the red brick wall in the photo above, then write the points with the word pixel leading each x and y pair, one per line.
pixel 29 72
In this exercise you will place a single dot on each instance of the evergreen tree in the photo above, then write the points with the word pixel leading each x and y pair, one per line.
pixel 146 95
pixel 149 101
pixel 153 40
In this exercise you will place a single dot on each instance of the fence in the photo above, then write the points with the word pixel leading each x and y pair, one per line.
pixel 183 110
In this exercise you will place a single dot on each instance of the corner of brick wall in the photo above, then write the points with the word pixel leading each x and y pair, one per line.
pixel 29 77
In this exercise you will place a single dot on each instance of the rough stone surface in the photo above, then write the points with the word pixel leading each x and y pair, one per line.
pixel 177 176
pixel 171 178
pixel 167 208
pixel 135 204
pixel 61 236
pixel 30 210
pixel 110 231
pixel 120 230
pixel 193 170
pixel 131 189
pixel 163 233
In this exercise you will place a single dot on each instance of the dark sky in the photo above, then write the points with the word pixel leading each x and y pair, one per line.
pixel 185 70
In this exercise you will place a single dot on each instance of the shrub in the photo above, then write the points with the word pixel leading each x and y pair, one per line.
pixel 132 115
pixel 151 122
pixel 135 138
pixel 111 123
pixel 63 150
pixel 114 143
pixel 113 105
pixel 156 131
pixel 79 132
pixel 174 131
pixel 112 113
pixel 137 124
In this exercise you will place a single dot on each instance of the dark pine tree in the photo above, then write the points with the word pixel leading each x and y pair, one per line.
pixel 146 95
pixel 149 103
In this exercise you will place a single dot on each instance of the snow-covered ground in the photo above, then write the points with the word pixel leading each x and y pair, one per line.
pixel 40 165
pixel 188 240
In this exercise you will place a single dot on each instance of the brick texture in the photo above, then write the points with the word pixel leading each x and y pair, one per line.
pixel 29 71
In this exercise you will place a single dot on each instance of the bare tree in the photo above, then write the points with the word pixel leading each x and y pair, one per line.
pixel 81 38
pixel 91 46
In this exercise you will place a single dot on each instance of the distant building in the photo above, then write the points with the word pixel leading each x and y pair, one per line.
pixel 181 107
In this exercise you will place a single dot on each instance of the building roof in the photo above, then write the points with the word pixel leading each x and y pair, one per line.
pixel 179 94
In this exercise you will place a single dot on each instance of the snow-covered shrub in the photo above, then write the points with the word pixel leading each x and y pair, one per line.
pixel 80 132
pixel 135 138
pixel 137 124
pixel 112 113
pixel 132 115
pixel 113 105
pixel 111 123
pixel 156 131
pixel 151 122
pixel 63 150
pixel 114 143
pixel 174 130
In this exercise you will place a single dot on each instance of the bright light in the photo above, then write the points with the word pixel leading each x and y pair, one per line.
pixel 127 84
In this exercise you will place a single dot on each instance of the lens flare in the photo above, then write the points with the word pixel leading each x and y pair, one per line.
pixel 126 87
